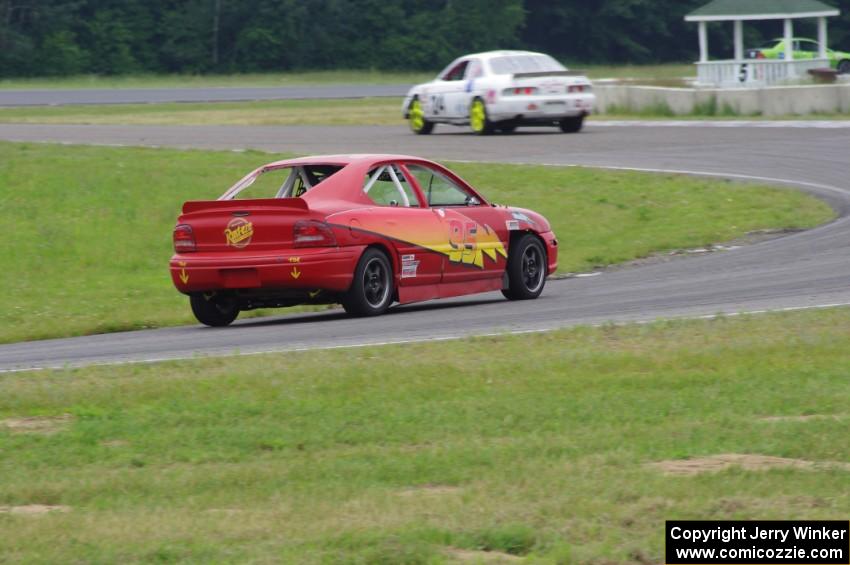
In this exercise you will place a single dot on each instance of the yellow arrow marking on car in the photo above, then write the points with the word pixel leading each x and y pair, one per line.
pixel 184 276
pixel 314 293
pixel 295 273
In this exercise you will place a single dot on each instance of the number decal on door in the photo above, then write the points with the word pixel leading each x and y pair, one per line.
pixel 463 242
pixel 469 242
pixel 438 104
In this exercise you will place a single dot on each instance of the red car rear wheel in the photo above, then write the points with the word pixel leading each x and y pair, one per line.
pixel 214 309
pixel 371 291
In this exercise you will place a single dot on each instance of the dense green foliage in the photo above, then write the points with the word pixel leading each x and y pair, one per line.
pixel 63 37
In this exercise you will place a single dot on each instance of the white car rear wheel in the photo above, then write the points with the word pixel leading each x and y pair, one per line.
pixel 478 120
pixel 572 125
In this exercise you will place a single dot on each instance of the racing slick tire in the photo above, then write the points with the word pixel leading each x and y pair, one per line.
pixel 214 310
pixel 371 291
pixel 571 125
pixel 844 67
pixel 478 119
pixel 526 269
pixel 416 118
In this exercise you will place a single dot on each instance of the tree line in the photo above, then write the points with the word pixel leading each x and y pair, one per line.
pixel 66 37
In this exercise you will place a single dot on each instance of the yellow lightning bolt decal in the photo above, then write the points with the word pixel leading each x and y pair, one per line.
pixel 471 246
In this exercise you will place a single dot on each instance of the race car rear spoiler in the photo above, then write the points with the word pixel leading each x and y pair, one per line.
pixel 548 74
pixel 295 204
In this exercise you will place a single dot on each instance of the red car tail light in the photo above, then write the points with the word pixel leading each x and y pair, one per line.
pixel 312 233
pixel 760 55
pixel 521 91
pixel 184 239
pixel 576 88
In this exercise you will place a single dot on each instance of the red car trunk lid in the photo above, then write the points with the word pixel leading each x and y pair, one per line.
pixel 242 225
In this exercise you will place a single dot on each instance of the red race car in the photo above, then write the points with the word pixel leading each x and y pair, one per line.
pixel 360 230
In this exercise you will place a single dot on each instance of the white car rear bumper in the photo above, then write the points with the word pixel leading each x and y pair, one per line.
pixel 542 108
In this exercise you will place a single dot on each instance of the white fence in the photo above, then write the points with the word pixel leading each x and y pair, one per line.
pixel 755 72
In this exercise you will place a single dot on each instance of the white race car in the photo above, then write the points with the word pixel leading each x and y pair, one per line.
pixel 500 90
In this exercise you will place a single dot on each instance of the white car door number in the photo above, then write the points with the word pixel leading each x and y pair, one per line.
pixel 438 104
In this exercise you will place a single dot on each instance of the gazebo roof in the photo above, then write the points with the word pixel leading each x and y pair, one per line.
pixel 726 10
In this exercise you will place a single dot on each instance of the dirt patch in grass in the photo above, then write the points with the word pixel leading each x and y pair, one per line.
pixel 467 555
pixel 746 461
pixel 805 418
pixel 115 443
pixel 430 490
pixel 44 425
pixel 33 509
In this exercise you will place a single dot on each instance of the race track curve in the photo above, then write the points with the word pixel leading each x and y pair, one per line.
pixel 802 270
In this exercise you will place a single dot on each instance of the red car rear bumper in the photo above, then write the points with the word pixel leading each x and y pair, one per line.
pixel 307 269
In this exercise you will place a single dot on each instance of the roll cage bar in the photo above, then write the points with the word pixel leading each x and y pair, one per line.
pixel 390 169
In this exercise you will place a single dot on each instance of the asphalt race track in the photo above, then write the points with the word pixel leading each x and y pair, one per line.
pixel 809 269
pixel 49 97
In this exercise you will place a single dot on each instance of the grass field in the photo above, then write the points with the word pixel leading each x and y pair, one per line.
pixel 213 81
pixel 560 447
pixel 670 71
pixel 364 111
pixel 666 72
pixel 90 227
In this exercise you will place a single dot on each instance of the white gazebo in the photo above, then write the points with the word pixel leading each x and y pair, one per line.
pixel 753 72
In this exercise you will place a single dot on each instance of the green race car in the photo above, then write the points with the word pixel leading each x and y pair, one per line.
pixel 803 49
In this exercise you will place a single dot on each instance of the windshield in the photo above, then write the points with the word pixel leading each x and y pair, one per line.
pixel 512 64
pixel 281 182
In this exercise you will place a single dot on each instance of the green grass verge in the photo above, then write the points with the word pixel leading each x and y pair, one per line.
pixel 529 445
pixel 661 72
pixel 362 111
pixel 90 227
pixel 667 72
pixel 315 78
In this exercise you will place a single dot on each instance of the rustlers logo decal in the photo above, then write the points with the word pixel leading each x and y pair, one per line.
pixel 239 232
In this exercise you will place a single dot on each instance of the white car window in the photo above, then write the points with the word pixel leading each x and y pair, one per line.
pixel 456 72
pixel 474 70
pixel 512 64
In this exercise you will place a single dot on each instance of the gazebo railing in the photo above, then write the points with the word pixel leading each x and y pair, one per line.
pixel 755 72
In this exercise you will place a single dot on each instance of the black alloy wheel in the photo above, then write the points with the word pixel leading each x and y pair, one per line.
pixel 213 309
pixel 371 292
pixel 527 269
